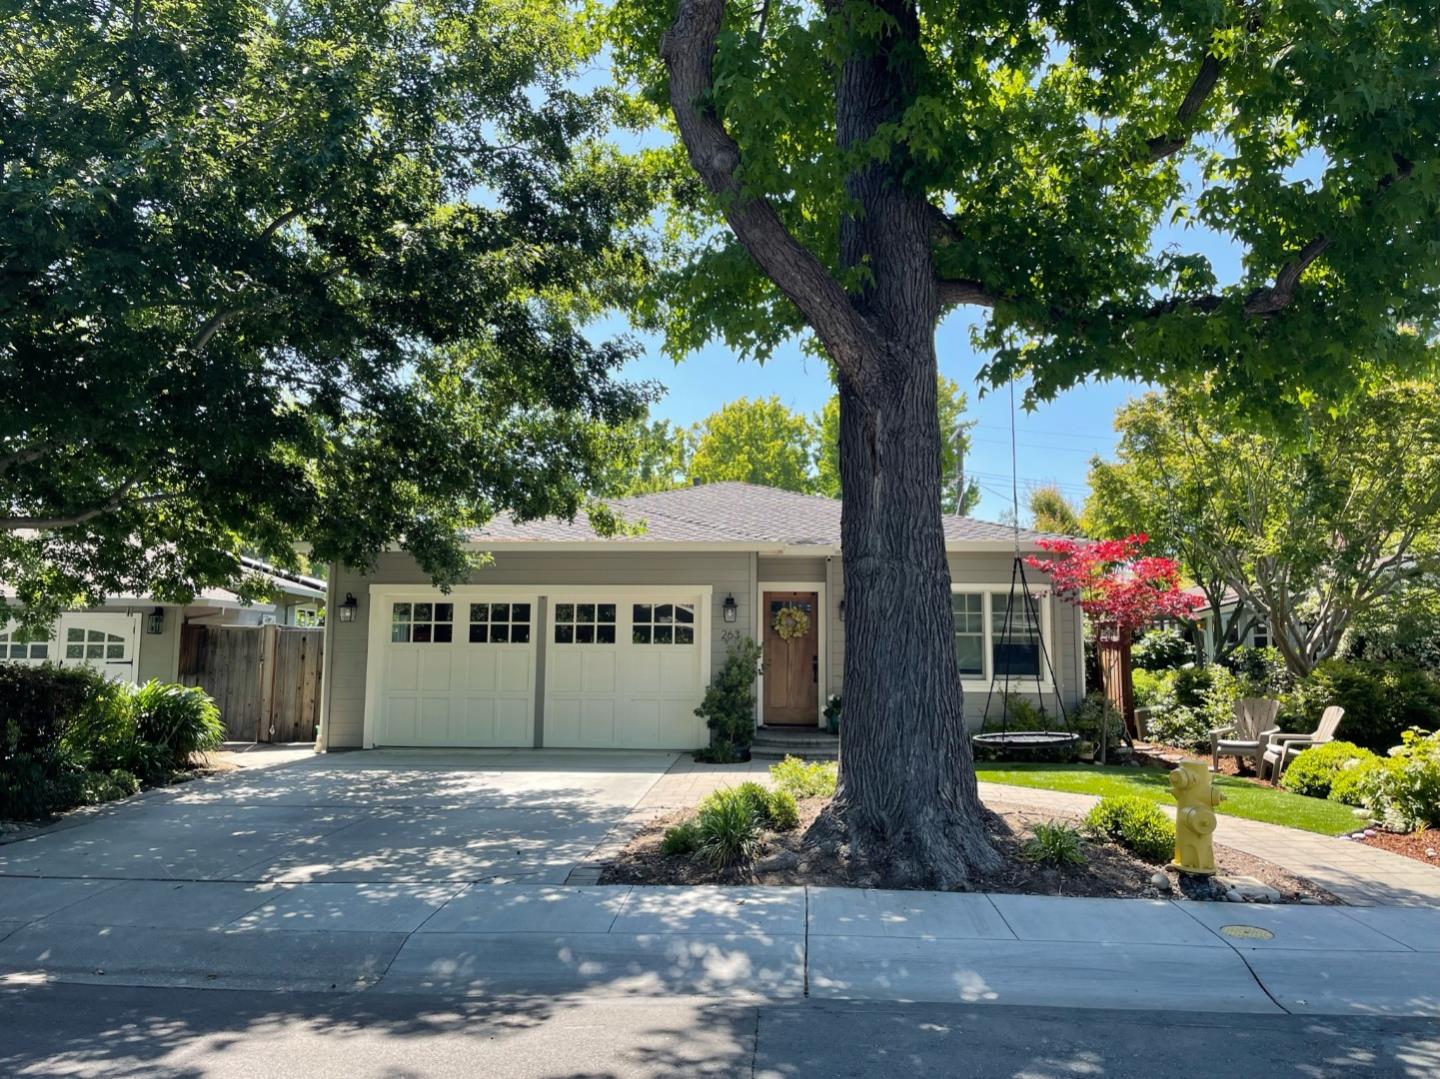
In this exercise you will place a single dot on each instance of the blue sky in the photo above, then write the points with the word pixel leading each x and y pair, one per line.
pixel 1054 443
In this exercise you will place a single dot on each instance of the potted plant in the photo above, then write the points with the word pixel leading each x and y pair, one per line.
pixel 832 713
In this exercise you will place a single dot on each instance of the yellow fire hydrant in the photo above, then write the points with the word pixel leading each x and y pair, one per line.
pixel 1195 821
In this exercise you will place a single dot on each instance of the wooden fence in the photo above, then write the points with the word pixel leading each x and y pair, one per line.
pixel 265 679
pixel 1114 654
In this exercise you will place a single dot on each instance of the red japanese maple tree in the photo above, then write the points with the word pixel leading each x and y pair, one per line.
pixel 1121 589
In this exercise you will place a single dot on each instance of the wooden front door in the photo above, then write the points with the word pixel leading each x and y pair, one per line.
pixel 792 667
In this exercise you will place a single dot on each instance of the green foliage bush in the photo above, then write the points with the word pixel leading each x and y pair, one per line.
pixel 1381 700
pixel 728 708
pixel 1153 689
pixel 681 839
pixel 1137 824
pixel 1191 684
pixel 1314 771
pixel 1096 716
pixel 805 779
pixel 1184 728
pixel 1358 784
pixel 781 811
pixel 1055 844
pixel 1161 650
pixel 729 828
pixel 1404 793
pixel 70 737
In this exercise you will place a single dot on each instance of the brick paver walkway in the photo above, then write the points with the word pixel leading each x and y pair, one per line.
pixel 1355 873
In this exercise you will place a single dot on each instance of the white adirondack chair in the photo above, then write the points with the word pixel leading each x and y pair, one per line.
pixel 1284 748
pixel 1247 737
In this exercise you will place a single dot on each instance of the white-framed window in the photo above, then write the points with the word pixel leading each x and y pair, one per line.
pixel 585 623
pixel 83 643
pixel 662 623
pixel 19 646
pixel 499 623
pixel 968 609
pixel 422 623
pixel 983 646
pixel 1260 637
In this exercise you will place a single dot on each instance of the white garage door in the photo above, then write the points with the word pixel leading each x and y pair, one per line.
pixel 625 669
pixel 453 671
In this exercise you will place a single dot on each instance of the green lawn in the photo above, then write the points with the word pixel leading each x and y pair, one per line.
pixel 1242 799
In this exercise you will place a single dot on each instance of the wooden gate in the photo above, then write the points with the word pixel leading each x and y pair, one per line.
pixel 265 679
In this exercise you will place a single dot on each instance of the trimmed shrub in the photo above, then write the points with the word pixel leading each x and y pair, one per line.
pixel 805 779
pixel 1191 684
pixel 728 708
pixel 681 839
pixel 1055 844
pixel 1095 716
pixel 729 828
pixel 1358 784
pixel 1137 824
pixel 38 707
pixel 781 811
pixel 1314 771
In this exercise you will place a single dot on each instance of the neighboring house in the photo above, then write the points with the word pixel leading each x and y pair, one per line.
pixel 571 639
pixel 1249 628
pixel 137 638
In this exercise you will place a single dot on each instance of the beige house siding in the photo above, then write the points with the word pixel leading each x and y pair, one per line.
pixel 160 652
pixel 728 573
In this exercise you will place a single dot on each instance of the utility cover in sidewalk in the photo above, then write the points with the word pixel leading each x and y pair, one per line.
pixel 1247 932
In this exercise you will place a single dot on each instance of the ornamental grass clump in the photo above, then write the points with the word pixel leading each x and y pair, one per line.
pixel 729 828
pixel 1055 844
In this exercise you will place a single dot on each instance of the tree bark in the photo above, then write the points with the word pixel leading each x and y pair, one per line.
pixel 907 798
pixel 908 795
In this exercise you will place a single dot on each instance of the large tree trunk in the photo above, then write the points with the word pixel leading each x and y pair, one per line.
pixel 908 794
pixel 907 798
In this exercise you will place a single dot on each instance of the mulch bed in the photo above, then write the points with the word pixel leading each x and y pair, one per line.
pixel 1423 846
pixel 803 857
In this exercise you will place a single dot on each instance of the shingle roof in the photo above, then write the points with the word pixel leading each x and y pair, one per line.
pixel 728 513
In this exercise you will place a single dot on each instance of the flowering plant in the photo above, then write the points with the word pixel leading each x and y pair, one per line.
pixel 1112 582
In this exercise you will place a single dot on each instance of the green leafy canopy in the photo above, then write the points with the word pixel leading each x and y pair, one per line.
pixel 305 271
pixel 1073 155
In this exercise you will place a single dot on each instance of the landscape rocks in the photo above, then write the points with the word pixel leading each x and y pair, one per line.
pixel 1250 890
pixel 1160 880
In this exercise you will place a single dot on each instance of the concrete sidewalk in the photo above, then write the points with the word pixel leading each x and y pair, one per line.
pixel 559 942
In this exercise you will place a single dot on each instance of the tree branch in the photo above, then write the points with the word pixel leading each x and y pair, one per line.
pixel 25 456
pixel 1162 146
pixel 110 505
pixel 688 49
pixel 211 326
pixel 955 293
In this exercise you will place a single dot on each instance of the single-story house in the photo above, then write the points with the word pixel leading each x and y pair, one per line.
pixel 137 638
pixel 567 638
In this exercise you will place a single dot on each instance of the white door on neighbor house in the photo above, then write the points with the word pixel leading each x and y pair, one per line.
pixel 107 642
pixel 453 670
pixel 625 669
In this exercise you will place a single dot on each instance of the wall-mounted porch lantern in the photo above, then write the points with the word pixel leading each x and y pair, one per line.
pixel 155 622
pixel 842 610
pixel 349 607
pixel 728 608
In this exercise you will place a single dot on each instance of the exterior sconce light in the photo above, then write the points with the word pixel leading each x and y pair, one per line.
pixel 728 608
pixel 155 622
pixel 842 610
pixel 349 607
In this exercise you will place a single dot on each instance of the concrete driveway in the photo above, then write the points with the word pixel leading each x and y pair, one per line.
pixel 391 816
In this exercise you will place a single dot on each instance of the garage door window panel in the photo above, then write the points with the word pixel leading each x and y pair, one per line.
pixel 585 623
pixel 499 623
pixel 422 623
pixel 663 623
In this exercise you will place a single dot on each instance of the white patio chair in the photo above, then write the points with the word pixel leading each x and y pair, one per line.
pixel 1284 748
pixel 1247 737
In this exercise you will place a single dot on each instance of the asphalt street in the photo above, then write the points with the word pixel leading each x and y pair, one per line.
pixel 95 1030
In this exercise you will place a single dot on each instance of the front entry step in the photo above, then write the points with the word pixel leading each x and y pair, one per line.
pixel 809 743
